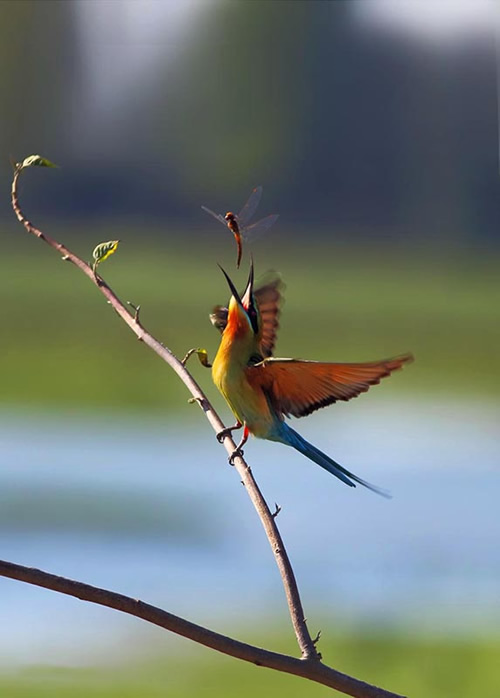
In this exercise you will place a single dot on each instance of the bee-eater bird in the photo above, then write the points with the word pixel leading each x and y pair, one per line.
pixel 262 390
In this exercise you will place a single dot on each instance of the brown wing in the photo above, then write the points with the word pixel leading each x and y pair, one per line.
pixel 268 298
pixel 298 387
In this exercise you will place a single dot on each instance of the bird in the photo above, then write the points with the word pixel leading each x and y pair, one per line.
pixel 262 390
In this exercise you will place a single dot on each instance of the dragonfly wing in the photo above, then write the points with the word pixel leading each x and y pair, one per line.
pixel 217 216
pixel 297 388
pixel 252 232
pixel 250 207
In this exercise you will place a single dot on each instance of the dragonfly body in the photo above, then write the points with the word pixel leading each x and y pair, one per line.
pixel 232 223
pixel 261 390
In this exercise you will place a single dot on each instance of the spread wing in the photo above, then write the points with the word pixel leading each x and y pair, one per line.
pixel 297 387
pixel 218 216
pixel 252 232
pixel 268 297
pixel 250 207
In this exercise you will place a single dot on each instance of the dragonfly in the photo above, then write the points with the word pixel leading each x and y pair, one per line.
pixel 239 224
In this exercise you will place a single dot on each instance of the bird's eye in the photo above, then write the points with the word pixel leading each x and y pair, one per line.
pixel 253 317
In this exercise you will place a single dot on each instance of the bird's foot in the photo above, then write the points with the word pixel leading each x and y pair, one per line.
pixel 227 431
pixel 238 452
pixel 221 435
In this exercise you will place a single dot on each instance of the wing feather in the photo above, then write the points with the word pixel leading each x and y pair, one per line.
pixel 295 387
pixel 268 298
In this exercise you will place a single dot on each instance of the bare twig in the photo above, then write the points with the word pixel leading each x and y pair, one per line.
pixel 310 668
pixel 310 656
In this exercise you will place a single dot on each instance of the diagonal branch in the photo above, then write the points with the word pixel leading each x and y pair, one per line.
pixel 307 668
pixel 310 655
pixel 304 639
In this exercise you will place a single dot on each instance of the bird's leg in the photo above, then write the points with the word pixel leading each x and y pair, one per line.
pixel 221 435
pixel 202 355
pixel 238 451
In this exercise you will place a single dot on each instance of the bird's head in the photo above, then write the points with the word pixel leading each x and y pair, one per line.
pixel 242 314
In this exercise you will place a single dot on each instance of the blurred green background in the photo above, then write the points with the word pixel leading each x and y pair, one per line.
pixel 373 129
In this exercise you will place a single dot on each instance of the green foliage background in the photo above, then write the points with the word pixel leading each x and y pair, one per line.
pixel 63 345
pixel 430 667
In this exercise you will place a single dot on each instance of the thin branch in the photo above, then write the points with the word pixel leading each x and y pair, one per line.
pixel 297 615
pixel 306 668
pixel 310 656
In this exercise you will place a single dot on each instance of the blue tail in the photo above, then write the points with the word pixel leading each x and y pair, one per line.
pixel 292 438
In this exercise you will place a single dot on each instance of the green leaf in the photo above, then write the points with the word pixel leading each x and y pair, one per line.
pixel 36 161
pixel 203 357
pixel 104 250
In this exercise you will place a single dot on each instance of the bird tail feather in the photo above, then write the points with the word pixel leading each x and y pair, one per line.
pixel 292 438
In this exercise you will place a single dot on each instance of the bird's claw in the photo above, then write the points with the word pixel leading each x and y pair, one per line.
pixel 221 435
pixel 238 452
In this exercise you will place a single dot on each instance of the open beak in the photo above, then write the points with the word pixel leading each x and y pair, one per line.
pixel 232 287
pixel 245 300
pixel 247 296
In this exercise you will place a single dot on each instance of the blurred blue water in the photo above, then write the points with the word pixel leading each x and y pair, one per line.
pixel 155 512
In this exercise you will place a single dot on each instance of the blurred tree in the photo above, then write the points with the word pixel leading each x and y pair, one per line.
pixel 38 67
pixel 237 104
pixel 38 77
pixel 356 128
pixel 351 130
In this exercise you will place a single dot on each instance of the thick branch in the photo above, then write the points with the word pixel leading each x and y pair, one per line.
pixel 307 668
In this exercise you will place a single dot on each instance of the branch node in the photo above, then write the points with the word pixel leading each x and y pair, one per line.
pixel 136 309
pixel 65 258
pixel 276 510
pixel 99 280
pixel 316 639
pixel 202 402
